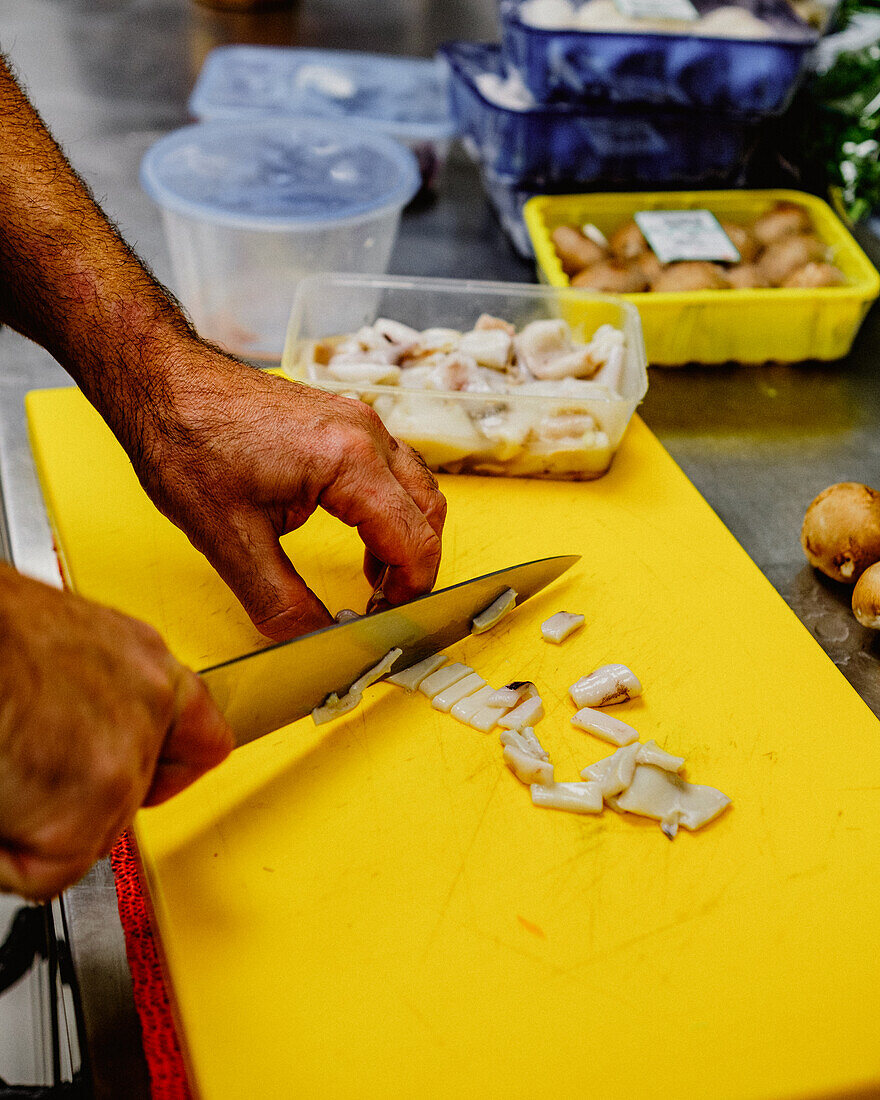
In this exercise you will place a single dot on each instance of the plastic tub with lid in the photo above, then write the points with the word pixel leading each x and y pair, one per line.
pixel 404 97
pixel 250 207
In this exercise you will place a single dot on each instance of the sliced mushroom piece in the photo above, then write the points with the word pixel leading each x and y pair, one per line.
pixel 670 799
pixel 445 700
pixel 578 798
pixel 606 685
pixel 411 677
pixel 376 672
pixel 465 710
pixel 334 706
pixel 487 347
pixel 487 718
pixel 443 678
pixel 527 768
pixel 651 753
pixel 529 712
pixel 561 626
pixel 486 322
pixel 614 773
pixel 495 612
pixel 516 691
pixel 524 740
pixel 604 726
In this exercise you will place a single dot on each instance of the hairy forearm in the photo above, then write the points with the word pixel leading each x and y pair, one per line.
pixel 69 281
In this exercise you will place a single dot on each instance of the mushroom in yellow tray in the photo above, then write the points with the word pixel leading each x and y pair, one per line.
pixel 783 257
pixel 746 277
pixel 814 275
pixel 691 275
pixel 628 241
pixel 612 277
pixel 866 597
pixel 743 240
pixel 781 220
pixel 841 531
pixel 575 250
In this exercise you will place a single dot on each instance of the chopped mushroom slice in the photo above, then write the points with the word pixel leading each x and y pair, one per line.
pixel 608 684
pixel 445 700
pixel 504 697
pixel 670 799
pixel 376 672
pixel 614 773
pixel 468 707
pixel 528 712
pixel 411 677
pixel 486 718
pixel 579 798
pixel 528 769
pixel 494 612
pixel 334 706
pixel 444 678
pixel 346 615
pixel 604 726
pixel 559 626
pixel 525 741
pixel 651 753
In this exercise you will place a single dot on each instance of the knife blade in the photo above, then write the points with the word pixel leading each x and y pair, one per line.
pixel 260 692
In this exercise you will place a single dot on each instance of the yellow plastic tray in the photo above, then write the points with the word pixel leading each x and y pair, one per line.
pixel 718 326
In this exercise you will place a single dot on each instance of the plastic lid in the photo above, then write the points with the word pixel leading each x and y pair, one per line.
pixel 406 97
pixel 278 173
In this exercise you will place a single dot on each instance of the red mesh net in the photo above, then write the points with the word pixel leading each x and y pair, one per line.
pixel 162 1051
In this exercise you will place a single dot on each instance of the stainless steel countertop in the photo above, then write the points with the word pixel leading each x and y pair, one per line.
pixel 759 443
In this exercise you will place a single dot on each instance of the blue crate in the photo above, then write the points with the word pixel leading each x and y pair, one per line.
pixel 589 144
pixel 746 78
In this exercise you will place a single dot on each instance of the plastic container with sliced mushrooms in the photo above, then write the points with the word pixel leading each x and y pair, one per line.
pixel 719 312
pixel 481 378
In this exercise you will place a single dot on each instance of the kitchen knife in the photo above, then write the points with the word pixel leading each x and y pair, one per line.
pixel 261 692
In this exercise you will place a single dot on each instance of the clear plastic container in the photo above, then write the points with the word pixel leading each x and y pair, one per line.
pixel 404 97
pixel 251 207
pixel 588 143
pixel 509 432
pixel 720 326
pixel 702 65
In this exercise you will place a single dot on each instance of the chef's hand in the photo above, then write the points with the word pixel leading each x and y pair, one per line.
pixel 238 457
pixel 96 719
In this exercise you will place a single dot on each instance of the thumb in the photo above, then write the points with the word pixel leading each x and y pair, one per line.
pixel 198 739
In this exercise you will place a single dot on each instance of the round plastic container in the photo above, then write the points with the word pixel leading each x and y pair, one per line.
pixel 250 207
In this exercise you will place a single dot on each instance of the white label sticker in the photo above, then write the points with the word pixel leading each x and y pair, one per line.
pixel 686 235
pixel 657 9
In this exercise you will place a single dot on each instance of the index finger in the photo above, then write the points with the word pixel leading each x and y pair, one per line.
pixel 392 526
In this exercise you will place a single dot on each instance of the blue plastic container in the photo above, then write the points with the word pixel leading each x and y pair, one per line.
pixel 403 97
pixel 589 144
pixel 745 77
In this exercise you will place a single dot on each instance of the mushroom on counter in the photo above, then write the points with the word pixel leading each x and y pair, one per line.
pixel 841 531
pixel 866 597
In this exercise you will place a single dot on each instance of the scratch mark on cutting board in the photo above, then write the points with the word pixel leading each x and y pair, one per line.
pixel 461 867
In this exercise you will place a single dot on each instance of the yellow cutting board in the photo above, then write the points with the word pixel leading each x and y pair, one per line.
pixel 375 909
